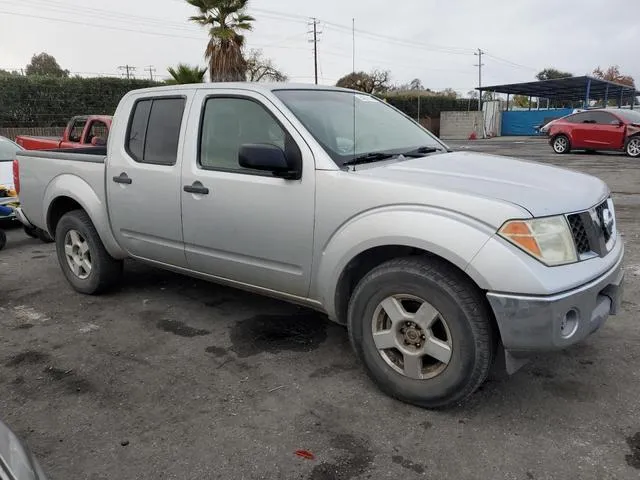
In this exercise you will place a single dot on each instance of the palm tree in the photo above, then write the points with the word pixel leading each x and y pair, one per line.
pixel 225 20
pixel 186 74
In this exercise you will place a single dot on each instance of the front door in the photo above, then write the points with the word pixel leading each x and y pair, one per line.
pixel 143 180
pixel 607 132
pixel 243 225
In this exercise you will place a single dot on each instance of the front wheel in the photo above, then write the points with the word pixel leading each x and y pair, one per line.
pixel 423 331
pixel 561 144
pixel 633 147
pixel 84 261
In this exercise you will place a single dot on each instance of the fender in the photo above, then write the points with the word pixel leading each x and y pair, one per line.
pixel 76 188
pixel 452 236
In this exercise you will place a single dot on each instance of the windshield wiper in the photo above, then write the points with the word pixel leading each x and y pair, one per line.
pixel 370 158
pixel 421 151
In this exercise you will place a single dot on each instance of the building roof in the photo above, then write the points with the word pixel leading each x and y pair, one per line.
pixel 569 88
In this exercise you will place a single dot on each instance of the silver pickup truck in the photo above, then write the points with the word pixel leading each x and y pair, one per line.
pixel 438 262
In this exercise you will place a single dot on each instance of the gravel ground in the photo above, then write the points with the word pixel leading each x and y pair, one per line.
pixel 172 378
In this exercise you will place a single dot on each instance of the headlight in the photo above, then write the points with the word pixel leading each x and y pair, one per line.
pixel 547 239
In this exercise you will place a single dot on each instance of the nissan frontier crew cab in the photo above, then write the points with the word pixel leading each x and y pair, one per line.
pixel 438 262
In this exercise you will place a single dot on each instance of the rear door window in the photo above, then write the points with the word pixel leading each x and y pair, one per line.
pixel 154 130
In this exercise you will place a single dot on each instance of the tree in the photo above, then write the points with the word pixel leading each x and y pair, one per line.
pixel 260 69
pixel 552 74
pixel 45 65
pixel 374 82
pixel 225 20
pixel 521 101
pixel 613 74
pixel 7 73
pixel 186 74
pixel 448 92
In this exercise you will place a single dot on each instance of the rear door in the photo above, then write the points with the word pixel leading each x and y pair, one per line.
pixel 607 132
pixel 143 178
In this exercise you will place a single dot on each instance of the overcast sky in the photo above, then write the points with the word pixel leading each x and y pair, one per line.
pixel 432 40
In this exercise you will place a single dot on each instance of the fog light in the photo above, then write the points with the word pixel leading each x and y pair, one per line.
pixel 569 323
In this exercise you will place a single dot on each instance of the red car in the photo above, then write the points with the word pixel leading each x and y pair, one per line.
pixel 599 129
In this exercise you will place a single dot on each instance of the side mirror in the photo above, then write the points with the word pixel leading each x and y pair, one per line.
pixel 266 158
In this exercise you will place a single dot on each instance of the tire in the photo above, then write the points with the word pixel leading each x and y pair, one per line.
pixel 632 147
pixel 468 331
pixel 31 231
pixel 76 231
pixel 44 236
pixel 561 144
pixel 3 239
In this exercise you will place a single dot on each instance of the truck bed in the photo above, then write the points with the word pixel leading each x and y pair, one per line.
pixel 42 168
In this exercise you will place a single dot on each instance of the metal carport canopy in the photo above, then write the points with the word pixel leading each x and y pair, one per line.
pixel 569 88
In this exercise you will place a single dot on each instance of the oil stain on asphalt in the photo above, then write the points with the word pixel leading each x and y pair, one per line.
pixel 408 464
pixel 181 329
pixel 633 459
pixel 29 357
pixel 355 460
pixel 300 332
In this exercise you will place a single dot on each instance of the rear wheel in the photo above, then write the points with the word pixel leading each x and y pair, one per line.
pixel 82 256
pixel 422 331
pixel 633 147
pixel 561 144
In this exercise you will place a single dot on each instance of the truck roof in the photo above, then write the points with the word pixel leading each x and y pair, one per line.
pixel 254 86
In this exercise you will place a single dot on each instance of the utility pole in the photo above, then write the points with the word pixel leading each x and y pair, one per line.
pixel 315 40
pixel 129 69
pixel 479 65
pixel 150 69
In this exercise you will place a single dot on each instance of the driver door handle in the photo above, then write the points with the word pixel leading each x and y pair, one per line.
pixel 197 188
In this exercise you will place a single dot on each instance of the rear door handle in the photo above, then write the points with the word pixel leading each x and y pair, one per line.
pixel 123 178
pixel 197 188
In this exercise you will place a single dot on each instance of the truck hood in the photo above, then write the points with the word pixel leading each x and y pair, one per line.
pixel 540 189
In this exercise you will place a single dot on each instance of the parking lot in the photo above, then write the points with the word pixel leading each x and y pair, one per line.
pixel 174 378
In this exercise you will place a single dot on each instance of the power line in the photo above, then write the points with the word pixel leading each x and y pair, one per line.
pixel 150 69
pixel 509 62
pixel 315 32
pixel 129 69
pixel 479 53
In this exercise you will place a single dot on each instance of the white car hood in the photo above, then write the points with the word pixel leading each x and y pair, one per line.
pixel 541 189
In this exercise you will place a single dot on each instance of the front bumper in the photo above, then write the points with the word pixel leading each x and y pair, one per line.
pixel 538 323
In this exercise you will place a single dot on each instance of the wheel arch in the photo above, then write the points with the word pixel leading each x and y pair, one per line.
pixel 353 252
pixel 69 192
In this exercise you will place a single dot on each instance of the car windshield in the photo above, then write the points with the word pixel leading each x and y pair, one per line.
pixel 329 117
pixel 629 115
pixel 8 149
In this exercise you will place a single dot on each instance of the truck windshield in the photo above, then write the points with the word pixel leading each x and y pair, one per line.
pixel 379 129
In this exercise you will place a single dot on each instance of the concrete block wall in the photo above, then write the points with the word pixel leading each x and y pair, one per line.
pixel 459 125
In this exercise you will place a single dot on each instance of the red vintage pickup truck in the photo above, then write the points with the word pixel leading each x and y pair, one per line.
pixel 81 131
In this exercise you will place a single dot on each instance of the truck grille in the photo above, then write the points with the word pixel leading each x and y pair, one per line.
pixel 593 230
pixel 579 234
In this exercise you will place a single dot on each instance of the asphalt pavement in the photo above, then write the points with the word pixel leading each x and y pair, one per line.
pixel 174 378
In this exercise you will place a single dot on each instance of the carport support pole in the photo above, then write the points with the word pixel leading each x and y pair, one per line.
pixel 606 96
pixel 621 97
pixel 529 102
pixel 508 102
pixel 587 95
